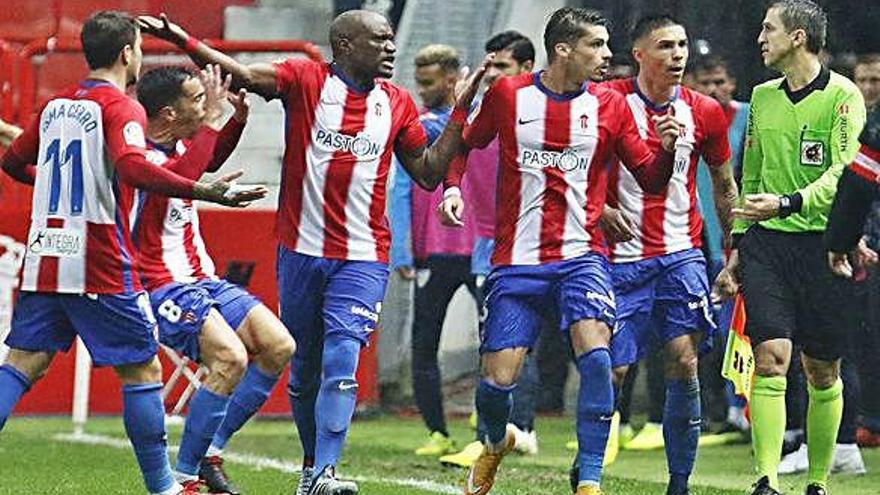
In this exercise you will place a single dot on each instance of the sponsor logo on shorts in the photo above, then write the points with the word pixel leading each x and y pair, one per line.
pixel 366 313
pixel 608 299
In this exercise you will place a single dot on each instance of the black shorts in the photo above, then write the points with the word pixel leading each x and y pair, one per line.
pixel 791 293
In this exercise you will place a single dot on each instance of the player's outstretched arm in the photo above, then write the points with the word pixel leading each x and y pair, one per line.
pixel 428 167
pixel 256 78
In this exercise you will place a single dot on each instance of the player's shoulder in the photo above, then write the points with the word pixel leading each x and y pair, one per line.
pixel 769 87
pixel 621 86
pixel 871 133
pixel 302 64
pixel 510 84
pixel 699 101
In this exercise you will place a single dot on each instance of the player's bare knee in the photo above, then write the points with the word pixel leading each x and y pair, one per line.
pixel 772 358
pixel 230 363
pixel 146 372
pixel 821 374
pixel 587 335
pixel 33 365
pixel 681 366
pixel 278 355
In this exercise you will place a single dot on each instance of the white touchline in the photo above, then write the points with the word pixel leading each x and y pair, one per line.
pixel 259 462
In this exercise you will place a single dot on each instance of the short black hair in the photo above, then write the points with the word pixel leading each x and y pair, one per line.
pixel 161 87
pixel 806 15
pixel 650 23
pixel 566 25
pixel 104 35
pixel 710 63
pixel 521 48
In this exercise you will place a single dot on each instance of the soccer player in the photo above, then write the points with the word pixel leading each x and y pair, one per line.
pixel 803 131
pixel 80 273
pixel 514 55
pixel 8 133
pixel 343 123
pixel 660 278
pixel 205 318
pixel 556 132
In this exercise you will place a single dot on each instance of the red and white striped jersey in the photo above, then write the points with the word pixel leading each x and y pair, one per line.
pixel 552 178
pixel 670 221
pixel 79 238
pixel 167 235
pixel 339 143
pixel 166 230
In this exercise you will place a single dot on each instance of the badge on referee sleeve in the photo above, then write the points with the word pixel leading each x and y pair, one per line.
pixel 739 361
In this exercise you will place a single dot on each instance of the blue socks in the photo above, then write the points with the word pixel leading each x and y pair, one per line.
pixel 206 412
pixel 337 398
pixel 494 404
pixel 248 398
pixel 144 418
pixel 302 392
pixel 13 384
pixel 681 430
pixel 594 410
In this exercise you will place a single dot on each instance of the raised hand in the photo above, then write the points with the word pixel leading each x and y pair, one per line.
pixel 216 88
pixel 450 211
pixel 668 128
pixel 162 28
pixel 225 191
pixel 241 105
pixel 468 85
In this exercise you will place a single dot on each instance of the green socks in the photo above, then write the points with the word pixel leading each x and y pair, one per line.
pixel 823 420
pixel 768 425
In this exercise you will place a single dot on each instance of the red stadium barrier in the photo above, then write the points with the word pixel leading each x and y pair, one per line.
pixel 46 46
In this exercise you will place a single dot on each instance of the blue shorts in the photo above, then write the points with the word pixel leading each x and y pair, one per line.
pixel 321 296
pixel 481 257
pixel 181 310
pixel 659 299
pixel 117 329
pixel 519 296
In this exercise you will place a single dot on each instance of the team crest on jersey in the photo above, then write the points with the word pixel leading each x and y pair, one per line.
pixel 377 109
pixel 180 214
pixel 585 120
pixel 812 153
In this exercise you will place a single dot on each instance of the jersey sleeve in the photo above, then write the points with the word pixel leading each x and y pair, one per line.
pixel 124 124
pixel 411 135
pixel 482 125
pixel 288 74
pixel 849 119
pixel 753 162
pixel 21 157
pixel 227 141
pixel 716 150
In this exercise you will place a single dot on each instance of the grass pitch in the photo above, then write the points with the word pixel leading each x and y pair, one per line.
pixel 38 459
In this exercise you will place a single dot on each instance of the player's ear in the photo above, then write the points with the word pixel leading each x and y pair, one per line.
pixel 798 37
pixel 126 54
pixel 562 49
pixel 527 66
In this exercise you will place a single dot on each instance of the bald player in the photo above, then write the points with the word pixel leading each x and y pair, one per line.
pixel 343 123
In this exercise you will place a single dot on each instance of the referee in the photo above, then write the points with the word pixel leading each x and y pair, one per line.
pixel 802 132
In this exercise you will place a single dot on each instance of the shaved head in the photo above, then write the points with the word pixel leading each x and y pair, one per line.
pixel 362 43
pixel 352 24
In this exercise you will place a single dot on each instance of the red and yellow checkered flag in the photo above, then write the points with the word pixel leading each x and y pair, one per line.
pixel 739 361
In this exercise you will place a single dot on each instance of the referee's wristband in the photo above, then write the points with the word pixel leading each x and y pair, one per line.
pixel 790 204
